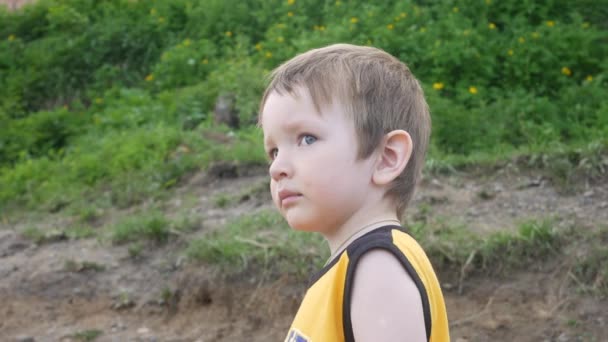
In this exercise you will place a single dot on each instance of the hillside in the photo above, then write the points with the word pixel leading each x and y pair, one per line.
pixel 134 198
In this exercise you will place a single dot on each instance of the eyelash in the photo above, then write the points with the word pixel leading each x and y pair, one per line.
pixel 272 154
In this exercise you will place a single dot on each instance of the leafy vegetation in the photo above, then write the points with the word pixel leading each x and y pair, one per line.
pixel 261 241
pixel 590 269
pixel 110 102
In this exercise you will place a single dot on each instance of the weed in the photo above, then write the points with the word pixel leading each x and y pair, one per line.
pixel 534 241
pixel 40 236
pixel 222 200
pixel 87 335
pixel 187 223
pixel 88 214
pixel 590 268
pixel 135 249
pixel 34 233
pixel 82 266
pixel 261 240
pixel 79 232
pixel 454 246
pixel 151 225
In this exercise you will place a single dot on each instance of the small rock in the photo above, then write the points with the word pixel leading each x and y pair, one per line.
pixel 563 337
pixel 603 205
pixel 588 193
pixel 436 183
pixel 143 331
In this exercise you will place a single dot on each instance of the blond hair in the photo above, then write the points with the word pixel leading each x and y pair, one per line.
pixel 376 89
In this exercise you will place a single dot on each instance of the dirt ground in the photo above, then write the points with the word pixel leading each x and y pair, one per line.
pixel 162 296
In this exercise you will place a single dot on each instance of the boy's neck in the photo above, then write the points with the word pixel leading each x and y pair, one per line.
pixel 358 225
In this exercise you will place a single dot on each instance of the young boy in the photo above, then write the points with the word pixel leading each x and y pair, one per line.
pixel 346 129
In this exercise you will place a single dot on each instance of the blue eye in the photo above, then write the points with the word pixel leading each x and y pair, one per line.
pixel 307 139
pixel 273 153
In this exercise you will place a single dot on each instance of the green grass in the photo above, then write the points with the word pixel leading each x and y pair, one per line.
pixel 452 247
pixel 80 232
pixel 87 335
pixel 147 225
pixel 82 266
pixel 261 241
pixel 150 225
pixel 590 270
pixel 264 241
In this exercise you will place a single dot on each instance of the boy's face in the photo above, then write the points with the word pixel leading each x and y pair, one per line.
pixel 317 181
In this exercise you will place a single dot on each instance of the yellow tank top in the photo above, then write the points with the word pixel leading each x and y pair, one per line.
pixel 324 315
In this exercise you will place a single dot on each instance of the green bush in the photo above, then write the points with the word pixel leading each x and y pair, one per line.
pixel 119 94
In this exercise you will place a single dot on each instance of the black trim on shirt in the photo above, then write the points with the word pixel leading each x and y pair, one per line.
pixel 380 238
pixel 316 276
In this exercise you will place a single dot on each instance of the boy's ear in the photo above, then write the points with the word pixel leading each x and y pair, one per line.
pixel 393 156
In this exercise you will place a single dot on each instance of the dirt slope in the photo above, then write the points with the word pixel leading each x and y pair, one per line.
pixel 73 290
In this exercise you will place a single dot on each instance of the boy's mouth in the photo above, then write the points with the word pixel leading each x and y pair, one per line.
pixel 287 196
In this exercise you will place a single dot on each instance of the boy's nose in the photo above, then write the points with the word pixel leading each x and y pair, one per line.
pixel 280 167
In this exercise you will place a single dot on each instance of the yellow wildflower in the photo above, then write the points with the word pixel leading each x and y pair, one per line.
pixel 280 39
pixel 161 20
pixel 354 20
pixel 187 42
pixel 290 14
pixel 535 35
pixel 268 54
pixel 473 90
pixel 589 78
pixel 228 33
pixel 11 37
pixel 390 26
pixel 205 61
pixel 585 25
pixel 550 23
pixel 321 28
pixel 455 10
pixel 99 100
pixel 423 29
pixel 403 14
pixel 521 40
pixel 566 71
pixel 291 2
pixel 492 26
pixel 466 32
pixel 153 11
pixel 150 78
pixel 438 85
pixel 488 2
pixel 258 46
pixel 338 3
pixel 510 52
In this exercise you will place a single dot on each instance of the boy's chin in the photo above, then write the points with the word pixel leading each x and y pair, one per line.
pixel 301 225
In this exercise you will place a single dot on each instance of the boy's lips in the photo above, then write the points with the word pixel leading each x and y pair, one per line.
pixel 288 196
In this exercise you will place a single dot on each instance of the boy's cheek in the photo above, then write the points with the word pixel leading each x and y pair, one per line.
pixel 273 192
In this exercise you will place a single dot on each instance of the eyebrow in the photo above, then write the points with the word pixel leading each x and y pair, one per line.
pixel 290 126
